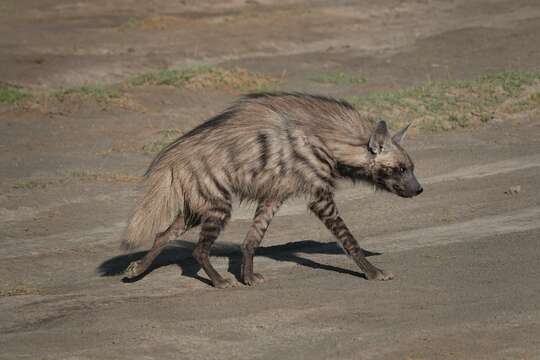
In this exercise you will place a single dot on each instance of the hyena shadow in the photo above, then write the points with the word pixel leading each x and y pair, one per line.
pixel 180 253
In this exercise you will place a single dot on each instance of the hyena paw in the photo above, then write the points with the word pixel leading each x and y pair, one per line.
pixel 254 279
pixel 380 275
pixel 134 269
pixel 223 283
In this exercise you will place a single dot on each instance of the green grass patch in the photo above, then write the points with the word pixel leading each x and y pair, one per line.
pixel 165 137
pixel 166 77
pixel 132 22
pixel 26 184
pixel 96 92
pixel 11 94
pixel 339 78
pixel 444 105
pixel 204 77
pixel 525 103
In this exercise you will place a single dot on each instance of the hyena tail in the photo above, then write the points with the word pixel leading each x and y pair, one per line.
pixel 156 211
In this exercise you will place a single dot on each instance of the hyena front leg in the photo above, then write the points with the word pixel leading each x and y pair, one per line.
pixel 138 267
pixel 211 226
pixel 263 215
pixel 325 209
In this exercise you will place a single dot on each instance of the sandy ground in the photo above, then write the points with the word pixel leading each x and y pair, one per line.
pixel 466 252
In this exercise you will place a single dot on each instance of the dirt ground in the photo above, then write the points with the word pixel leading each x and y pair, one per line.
pixel 465 253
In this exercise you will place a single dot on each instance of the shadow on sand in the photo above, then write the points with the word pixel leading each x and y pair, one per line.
pixel 179 253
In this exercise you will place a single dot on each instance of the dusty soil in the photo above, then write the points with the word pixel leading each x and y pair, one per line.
pixel 466 252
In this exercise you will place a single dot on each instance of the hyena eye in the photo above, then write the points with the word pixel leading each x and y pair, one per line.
pixel 402 170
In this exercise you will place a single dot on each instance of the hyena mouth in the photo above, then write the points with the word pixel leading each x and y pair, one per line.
pixel 400 191
pixel 406 193
pixel 380 186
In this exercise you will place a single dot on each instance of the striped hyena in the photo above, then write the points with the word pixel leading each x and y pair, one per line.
pixel 265 148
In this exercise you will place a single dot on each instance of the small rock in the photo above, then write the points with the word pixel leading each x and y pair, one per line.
pixel 514 190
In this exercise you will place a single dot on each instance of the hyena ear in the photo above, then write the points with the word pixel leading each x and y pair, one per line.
pixel 378 138
pixel 400 135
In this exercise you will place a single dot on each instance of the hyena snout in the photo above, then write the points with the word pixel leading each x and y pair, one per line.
pixel 409 188
pixel 402 183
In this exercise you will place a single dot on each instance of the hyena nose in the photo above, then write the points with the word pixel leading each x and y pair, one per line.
pixel 419 190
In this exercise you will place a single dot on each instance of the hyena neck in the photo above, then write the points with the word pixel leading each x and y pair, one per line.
pixel 360 169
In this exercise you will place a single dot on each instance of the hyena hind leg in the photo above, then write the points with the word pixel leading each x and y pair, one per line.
pixel 325 209
pixel 211 226
pixel 136 268
pixel 263 215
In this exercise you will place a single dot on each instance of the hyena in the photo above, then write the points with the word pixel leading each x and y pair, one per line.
pixel 266 148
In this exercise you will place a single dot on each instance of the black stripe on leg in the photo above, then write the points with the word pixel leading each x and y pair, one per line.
pixel 320 208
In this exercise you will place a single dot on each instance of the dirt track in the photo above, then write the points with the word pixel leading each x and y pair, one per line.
pixel 466 252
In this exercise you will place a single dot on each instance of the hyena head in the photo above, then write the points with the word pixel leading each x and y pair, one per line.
pixel 391 167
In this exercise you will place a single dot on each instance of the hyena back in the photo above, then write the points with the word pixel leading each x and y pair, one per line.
pixel 265 148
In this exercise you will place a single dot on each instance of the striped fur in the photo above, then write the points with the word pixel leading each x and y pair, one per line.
pixel 265 148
